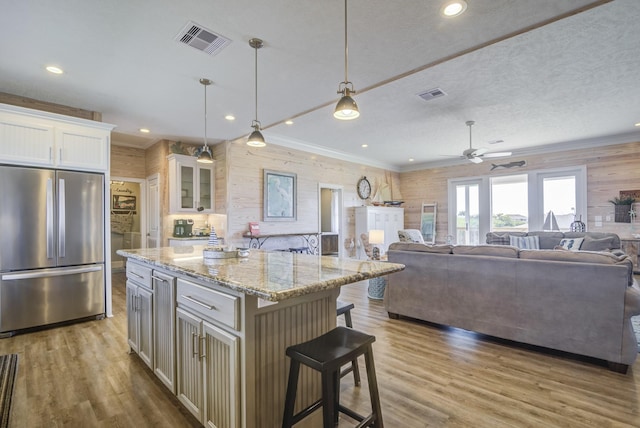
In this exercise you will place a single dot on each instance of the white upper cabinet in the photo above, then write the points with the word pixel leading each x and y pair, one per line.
pixel 191 185
pixel 36 138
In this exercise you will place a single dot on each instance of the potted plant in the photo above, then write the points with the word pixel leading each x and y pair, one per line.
pixel 622 208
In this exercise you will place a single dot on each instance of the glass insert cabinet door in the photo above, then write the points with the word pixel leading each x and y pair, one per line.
pixel 187 187
pixel 191 185
pixel 205 187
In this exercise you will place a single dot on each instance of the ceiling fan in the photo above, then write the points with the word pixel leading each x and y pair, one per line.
pixel 476 155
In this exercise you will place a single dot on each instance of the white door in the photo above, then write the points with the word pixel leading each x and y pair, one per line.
pixel 153 211
pixel 468 216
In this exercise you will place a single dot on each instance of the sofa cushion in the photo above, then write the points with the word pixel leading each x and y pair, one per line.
pixel 525 242
pixel 594 243
pixel 547 240
pixel 572 244
pixel 496 238
pixel 412 246
pixel 487 250
pixel 410 235
pixel 600 257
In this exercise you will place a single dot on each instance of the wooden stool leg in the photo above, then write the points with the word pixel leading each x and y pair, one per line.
pixel 292 389
pixel 328 400
pixel 354 363
pixel 373 388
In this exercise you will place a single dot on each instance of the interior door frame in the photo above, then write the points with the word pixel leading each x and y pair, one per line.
pixel 341 216
pixel 142 205
pixel 158 179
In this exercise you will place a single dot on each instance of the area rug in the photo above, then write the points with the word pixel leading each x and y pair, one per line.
pixel 8 370
pixel 635 321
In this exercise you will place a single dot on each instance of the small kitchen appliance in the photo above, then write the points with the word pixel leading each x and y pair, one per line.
pixel 182 228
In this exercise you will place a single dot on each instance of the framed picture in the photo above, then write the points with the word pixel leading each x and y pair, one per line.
pixel 428 223
pixel 279 192
pixel 123 203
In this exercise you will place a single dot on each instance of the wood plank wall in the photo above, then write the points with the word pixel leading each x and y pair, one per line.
pixel 609 170
pixel 245 167
pixel 128 162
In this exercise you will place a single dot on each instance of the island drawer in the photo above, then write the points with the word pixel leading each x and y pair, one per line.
pixel 216 305
pixel 139 274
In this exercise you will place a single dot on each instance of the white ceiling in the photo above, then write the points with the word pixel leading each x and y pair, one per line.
pixel 544 74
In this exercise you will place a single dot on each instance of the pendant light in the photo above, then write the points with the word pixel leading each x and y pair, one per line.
pixel 256 139
pixel 346 109
pixel 205 154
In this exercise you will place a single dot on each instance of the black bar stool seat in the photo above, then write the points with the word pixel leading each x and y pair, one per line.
pixel 301 250
pixel 327 354
pixel 344 308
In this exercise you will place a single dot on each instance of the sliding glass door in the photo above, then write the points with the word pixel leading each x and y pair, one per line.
pixel 466 214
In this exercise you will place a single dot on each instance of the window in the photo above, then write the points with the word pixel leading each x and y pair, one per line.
pixel 518 202
pixel 509 203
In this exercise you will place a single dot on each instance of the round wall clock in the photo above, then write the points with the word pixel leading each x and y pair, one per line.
pixel 364 188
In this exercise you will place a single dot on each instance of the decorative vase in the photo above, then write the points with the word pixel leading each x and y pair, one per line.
pixel 213 238
pixel 578 225
pixel 622 213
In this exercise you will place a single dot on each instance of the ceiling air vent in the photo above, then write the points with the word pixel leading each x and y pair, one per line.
pixel 204 40
pixel 431 94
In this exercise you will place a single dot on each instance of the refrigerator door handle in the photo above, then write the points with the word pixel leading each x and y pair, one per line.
pixel 49 218
pixel 49 273
pixel 61 218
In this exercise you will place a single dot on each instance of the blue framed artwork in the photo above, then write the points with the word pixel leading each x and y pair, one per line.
pixel 279 189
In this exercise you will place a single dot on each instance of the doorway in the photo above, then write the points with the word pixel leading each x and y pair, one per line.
pixel 331 220
pixel 128 217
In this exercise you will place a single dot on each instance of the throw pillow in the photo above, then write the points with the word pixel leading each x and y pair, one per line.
pixel 410 235
pixel 572 244
pixel 525 242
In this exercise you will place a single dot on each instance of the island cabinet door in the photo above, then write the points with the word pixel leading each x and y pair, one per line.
pixel 145 325
pixel 189 365
pixel 139 322
pixel 164 328
pixel 221 378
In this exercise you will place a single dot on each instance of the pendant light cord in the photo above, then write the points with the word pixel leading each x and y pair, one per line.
pixel 256 70
pixel 346 46
pixel 205 115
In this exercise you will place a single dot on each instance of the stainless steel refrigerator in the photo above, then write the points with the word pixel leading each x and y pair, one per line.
pixel 51 247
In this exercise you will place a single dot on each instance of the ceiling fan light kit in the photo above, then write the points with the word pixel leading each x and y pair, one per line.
pixel 346 109
pixel 476 155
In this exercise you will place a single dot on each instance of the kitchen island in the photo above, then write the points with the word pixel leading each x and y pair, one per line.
pixel 215 333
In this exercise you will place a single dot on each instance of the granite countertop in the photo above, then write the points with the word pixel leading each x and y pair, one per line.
pixel 270 275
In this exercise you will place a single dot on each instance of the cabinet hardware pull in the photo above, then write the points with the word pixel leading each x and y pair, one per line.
pixel 195 344
pixel 203 342
pixel 158 278
pixel 136 275
pixel 198 302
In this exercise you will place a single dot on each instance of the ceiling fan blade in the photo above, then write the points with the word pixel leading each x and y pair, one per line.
pixel 497 154
pixel 481 151
pixel 475 159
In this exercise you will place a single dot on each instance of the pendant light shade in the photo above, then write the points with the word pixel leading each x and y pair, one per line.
pixel 256 139
pixel 205 154
pixel 346 109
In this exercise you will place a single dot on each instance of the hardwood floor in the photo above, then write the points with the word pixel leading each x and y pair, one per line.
pixel 82 375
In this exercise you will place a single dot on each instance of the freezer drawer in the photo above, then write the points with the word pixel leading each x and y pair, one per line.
pixel 46 296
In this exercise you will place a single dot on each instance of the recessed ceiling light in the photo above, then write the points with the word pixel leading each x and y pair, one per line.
pixel 289 122
pixel 54 70
pixel 637 124
pixel 230 117
pixel 144 130
pixel 365 145
pixel 454 8
pixel 410 159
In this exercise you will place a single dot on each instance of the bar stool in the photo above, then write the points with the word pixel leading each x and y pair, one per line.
pixel 301 250
pixel 344 308
pixel 327 354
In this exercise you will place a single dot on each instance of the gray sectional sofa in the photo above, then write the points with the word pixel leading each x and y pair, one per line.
pixel 574 301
